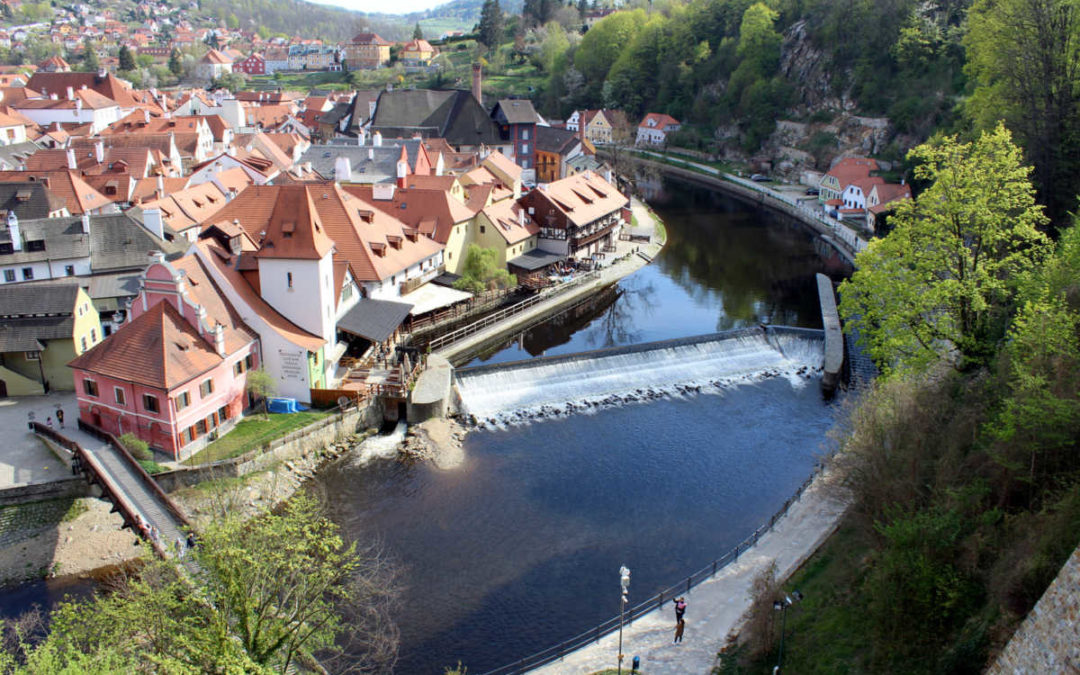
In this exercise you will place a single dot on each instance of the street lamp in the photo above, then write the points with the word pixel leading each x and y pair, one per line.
pixel 781 606
pixel 624 583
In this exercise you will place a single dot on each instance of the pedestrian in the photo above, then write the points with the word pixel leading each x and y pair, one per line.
pixel 679 631
pixel 154 536
pixel 179 547
pixel 680 608
pixel 191 540
pixel 60 417
pixel 48 422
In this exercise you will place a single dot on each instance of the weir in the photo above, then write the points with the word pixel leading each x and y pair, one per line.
pixel 521 391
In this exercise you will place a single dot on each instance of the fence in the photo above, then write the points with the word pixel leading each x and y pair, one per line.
pixel 655 602
pixel 513 310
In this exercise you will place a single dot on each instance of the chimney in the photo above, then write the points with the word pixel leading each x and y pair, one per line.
pixel 521 217
pixel 85 223
pixel 71 93
pixel 342 169
pixel 152 222
pixel 161 184
pixel 219 339
pixel 477 74
pixel 99 151
pixel 402 172
pixel 146 116
pixel 371 109
pixel 440 166
pixel 13 229
pixel 71 159
pixel 376 139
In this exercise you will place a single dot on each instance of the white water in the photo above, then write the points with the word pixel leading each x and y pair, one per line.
pixel 380 447
pixel 517 395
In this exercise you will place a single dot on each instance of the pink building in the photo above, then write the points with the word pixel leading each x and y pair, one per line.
pixel 174 373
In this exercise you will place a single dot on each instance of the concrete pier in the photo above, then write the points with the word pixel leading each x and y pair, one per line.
pixel 834 337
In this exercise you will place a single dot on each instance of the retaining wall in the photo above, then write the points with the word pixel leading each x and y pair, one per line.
pixel 35 492
pixel 1049 639
pixel 296 444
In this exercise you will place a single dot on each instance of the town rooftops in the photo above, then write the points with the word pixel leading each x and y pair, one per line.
pixel 30 314
pixel 850 169
pixel 28 201
pixel 77 194
pixel 374 320
pixel 582 198
pixel 369 39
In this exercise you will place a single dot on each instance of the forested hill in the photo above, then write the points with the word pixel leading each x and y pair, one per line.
pixel 730 69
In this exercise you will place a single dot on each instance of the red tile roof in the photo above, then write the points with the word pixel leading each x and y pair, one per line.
pixel 660 121
pixel 850 169
pixel 295 230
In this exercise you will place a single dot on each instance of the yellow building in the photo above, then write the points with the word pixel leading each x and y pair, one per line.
pixel 507 228
pixel 367 50
pixel 42 328
pixel 417 53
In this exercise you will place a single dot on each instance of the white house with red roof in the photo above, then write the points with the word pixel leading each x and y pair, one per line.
pixel 882 199
pixel 213 65
pixel 841 175
pixel 655 127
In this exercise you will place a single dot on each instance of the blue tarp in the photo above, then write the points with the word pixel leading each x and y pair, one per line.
pixel 283 405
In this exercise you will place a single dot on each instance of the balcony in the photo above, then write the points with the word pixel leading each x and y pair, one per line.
pixel 410 285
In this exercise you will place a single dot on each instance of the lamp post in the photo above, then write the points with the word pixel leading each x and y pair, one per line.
pixel 624 583
pixel 781 606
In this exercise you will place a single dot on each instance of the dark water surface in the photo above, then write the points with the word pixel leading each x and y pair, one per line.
pixel 520 548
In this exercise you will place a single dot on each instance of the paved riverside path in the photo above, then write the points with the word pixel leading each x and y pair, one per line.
pixel 714 607
pixel 608 275
pixel 132 489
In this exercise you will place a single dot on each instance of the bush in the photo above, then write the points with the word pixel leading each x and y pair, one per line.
pixel 138 448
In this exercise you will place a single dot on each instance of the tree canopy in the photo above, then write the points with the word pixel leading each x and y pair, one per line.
pixel 939 285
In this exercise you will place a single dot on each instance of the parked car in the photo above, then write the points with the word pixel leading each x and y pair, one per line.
pixel 759 178
pixel 813 191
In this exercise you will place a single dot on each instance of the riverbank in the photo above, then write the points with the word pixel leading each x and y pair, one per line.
pixel 717 607
pixel 628 258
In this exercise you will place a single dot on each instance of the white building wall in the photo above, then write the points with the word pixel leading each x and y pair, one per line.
pixel 53 269
pixel 309 301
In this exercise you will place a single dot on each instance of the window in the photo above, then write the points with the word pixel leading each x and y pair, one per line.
pixel 288 279
pixel 93 335
pixel 150 403
pixel 483 229
pixel 187 436
pixel 33 356
pixel 36 245
pixel 118 393
pixel 524 134
pixel 9 275
pixel 525 149
pixel 222 414
pixel 249 361
pixel 89 387
pixel 82 341
pixel 183 400
pixel 238 368
pixel 315 358
pixel 200 427
pixel 69 270
pixel 28 273
pixel 206 388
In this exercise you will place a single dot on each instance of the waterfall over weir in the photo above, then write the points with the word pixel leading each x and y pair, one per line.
pixel 523 391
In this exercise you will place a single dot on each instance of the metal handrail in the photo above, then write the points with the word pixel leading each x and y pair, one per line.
pixel 513 310
pixel 657 601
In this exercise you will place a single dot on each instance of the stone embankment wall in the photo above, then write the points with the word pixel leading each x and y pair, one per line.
pixel 297 444
pixel 68 488
pixel 1049 639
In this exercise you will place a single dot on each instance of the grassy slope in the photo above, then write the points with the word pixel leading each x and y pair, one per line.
pixel 251 433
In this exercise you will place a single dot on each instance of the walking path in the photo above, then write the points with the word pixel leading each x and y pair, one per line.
pixel 624 262
pixel 716 606
pixel 129 486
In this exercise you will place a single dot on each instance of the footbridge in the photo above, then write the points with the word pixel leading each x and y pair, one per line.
pixel 140 501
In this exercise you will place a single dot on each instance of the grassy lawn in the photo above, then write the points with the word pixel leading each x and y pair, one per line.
pixel 251 433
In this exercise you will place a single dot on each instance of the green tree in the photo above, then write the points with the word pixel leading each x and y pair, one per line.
pixel 175 66
pixel 269 590
pixel 127 61
pixel 1024 57
pixel 260 384
pixel 90 58
pixel 491 24
pixel 939 285
pixel 482 272
pixel 417 34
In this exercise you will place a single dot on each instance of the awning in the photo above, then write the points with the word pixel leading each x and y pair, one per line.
pixel 431 297
pixel 374 320
pixel 536 259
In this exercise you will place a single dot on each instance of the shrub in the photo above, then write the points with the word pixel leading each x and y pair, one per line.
pixel 138 448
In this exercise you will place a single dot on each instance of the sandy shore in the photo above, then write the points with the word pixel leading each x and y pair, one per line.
pixel 438 440
pixel 92 540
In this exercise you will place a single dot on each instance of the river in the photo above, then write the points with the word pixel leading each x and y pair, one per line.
pixel 520 547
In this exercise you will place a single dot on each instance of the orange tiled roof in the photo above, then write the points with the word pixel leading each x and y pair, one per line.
pixel 850 169
pixel 583 197
pixel 79 197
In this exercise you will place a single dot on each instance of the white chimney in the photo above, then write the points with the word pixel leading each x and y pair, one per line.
pixel 152 222
pixel 376 139
pixel 71 159
pixel 99 151
pixel 219 339
pixel 440 166
pixel 342 169
pixel 402 172
pixel 71 93
pixel 13 229
pixel 521 217
pixel 146 116
pixel 161 184
pixel 383 191
pixel 371 109
pixel 85 223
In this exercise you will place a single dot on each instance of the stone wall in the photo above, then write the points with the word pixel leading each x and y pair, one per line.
pixel 296 444
pixel 57 489
pixel 1049 639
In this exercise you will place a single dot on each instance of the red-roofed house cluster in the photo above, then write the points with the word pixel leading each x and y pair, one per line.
pixel 849 191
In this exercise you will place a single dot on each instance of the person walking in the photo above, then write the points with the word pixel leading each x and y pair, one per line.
pixel 679 627
pixel 680 608
pixel 48 422
pixel 60 417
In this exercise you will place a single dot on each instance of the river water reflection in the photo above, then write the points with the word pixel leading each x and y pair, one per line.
pixel 520 547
